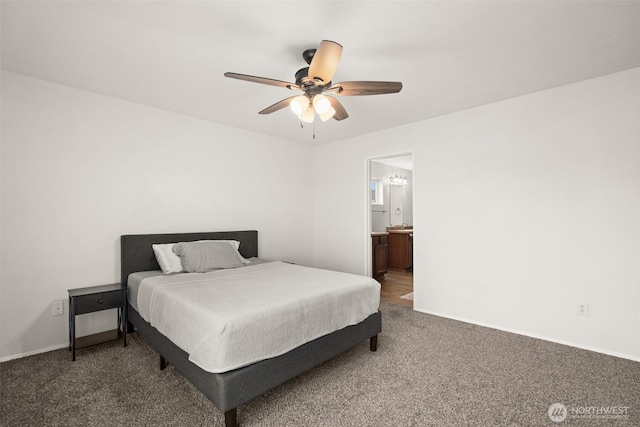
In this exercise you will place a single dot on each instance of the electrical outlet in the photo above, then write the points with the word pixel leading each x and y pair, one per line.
pixel 582 308
pixel 57 308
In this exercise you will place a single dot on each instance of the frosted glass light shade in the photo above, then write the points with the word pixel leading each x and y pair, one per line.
pixel 327 114
pixel 308 115
pixel 321 104
pixel 299 104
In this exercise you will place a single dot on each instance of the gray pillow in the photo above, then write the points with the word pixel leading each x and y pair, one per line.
pixel 198 257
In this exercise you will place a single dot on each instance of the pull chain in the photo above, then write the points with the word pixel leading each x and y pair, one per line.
pixel 313 128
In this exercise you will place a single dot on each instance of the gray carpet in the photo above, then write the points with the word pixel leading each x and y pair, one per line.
pixel 428 371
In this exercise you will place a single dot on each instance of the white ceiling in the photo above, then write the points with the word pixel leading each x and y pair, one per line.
pixel 450 55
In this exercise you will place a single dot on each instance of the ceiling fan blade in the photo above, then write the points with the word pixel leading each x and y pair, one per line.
pixel 341 113
pixel 365 88
pixel 325 61
pixel 263 80
pixel 277 106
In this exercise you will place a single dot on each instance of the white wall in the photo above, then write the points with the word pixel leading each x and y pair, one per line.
pixel 80 169
pixel 522 208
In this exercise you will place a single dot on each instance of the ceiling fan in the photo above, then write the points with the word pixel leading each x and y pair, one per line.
pixel 314 82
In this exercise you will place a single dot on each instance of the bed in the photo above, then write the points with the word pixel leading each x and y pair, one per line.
pixel 230 389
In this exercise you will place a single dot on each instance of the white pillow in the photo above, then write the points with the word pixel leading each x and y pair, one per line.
pixel 170 262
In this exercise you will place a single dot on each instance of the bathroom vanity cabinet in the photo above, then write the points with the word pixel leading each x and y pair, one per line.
pixel 380 254
pixel 401 250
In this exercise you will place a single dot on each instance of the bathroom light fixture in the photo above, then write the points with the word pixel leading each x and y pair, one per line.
pixel 397 179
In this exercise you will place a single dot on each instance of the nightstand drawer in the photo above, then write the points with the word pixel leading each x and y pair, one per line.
pixel 99 301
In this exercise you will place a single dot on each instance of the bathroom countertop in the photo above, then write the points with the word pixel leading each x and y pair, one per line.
pixel 406 231
pixel 379 233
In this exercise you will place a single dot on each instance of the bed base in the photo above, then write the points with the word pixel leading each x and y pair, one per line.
pixel 231 389
pixel 230 417
pixel 373 346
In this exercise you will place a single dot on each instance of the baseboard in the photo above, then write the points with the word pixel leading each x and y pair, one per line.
pixel 536 336
pixel 460 319
pixel 31 353
pixel 59 346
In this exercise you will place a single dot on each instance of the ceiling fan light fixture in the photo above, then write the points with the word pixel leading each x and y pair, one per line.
pixel 299 104
pixel 327 114
pixel 308 115
pixel 321 104
pixel 316 79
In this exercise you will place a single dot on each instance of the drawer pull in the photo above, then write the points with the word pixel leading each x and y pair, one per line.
pixel 100 301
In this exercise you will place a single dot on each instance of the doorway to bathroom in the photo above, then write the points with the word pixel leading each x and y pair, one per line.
pixel 391 226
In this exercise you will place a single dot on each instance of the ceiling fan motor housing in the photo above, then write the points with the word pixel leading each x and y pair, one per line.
pixel 302 76
pixel 307 55
pixel 309 86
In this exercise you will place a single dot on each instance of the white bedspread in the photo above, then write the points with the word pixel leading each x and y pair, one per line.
pixel 227 319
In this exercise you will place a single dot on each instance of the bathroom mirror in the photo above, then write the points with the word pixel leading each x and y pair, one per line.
pixel 396 205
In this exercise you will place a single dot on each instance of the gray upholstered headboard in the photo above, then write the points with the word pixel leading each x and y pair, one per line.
pixel 136 253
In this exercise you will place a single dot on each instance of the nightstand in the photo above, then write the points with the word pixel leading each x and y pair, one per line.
pixel 90 300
